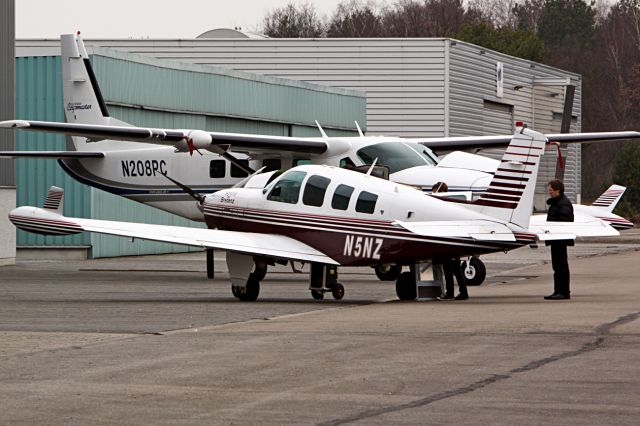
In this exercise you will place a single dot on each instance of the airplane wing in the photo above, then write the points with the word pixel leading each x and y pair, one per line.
pixel 50 222
pixel 240 142
pixel 216 141
pixel 52 154
pixel 583 226
pixel 469 142
pixel 480 230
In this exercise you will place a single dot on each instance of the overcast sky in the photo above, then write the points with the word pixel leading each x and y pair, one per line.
pixel 143 18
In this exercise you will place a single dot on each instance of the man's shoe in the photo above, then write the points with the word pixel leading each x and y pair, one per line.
pixel 446 296
pixel 462 297
pixel 558 296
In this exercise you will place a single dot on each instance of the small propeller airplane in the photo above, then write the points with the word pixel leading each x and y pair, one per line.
pixel 115 156
pixel 332 217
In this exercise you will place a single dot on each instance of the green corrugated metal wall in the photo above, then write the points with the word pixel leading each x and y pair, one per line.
pixel 39 97
pixel 137 91
pixel 170 86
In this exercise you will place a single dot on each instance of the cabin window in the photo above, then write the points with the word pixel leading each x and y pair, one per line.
pixel 314 190
pixel 366 202
pixel 217 168
pixel 347 163
pixel 341 197
pixel 396 155
pixel 271 164
pixel 287 189
pixel 300 161
pixel 237 171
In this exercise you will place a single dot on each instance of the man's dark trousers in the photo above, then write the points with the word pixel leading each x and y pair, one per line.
pixel 560 266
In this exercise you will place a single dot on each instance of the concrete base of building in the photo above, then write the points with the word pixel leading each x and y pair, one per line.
pixel 7 230
pixel 52 253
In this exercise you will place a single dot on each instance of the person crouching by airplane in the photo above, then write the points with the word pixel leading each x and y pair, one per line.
pixel 451 267
pixel 560 210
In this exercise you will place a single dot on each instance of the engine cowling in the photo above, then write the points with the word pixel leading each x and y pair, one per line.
pixel 194 139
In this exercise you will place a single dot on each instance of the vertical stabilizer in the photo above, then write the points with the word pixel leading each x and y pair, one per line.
pixel 54 200
pixel 509 196
pixel 83 102
pixel 610 198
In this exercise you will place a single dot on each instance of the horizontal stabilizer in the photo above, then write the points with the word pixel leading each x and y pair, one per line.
pixel 582 226
pixel 479 230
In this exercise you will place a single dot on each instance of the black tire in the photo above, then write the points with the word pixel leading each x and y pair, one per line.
pixel 252 290
pixel 235 290
pixel 476 273
pixel 259 271
pixel 318 295
pixel 406 286
pixel 337 291
pixel 388 272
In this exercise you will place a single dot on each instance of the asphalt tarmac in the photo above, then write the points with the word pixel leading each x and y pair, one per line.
pixel 150 340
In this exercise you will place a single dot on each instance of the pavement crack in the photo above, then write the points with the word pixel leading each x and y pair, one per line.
pixel 601 332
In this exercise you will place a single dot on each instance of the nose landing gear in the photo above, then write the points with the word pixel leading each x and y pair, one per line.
pixel 324 278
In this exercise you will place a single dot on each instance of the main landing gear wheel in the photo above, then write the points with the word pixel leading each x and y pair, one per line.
pixel 388 272
pixel 318 295
pixel 250 292
pixel 406 286
pixel 337 291
pixel 259 270
pixel 474 272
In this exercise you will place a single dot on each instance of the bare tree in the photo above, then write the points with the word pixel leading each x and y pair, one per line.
pixel 293 21
pixel 500 13
pixel 355 18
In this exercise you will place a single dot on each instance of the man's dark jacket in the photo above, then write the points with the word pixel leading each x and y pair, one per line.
pixel 560 210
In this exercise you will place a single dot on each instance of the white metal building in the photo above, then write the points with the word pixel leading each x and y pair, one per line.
pixel 416 87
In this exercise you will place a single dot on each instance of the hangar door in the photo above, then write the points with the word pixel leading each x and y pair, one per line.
pixel 497 119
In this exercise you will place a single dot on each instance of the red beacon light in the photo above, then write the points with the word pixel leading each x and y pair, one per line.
pixel 520 124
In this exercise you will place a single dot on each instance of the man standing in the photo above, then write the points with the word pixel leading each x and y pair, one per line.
pixel 560 210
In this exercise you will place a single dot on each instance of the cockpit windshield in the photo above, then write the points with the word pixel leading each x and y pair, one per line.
pixel 397 155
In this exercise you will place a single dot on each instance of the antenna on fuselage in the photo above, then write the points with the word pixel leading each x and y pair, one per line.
pixel 324 135
pixel 359 129
pixel 373 165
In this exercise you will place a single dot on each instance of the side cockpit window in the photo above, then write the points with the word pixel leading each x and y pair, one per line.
pixel 287 189
pixel 366 202
pixel 314 190
pixel 341 197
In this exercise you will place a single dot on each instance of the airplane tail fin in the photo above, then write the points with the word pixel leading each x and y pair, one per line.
pixel 509 196
pixel 610 198
pixel 54 200
pixel 83 102
pixel 48 220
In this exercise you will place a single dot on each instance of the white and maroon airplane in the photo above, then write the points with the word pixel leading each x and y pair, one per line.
pixel 333 217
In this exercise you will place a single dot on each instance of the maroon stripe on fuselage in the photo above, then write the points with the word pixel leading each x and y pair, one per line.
pixel 396 246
